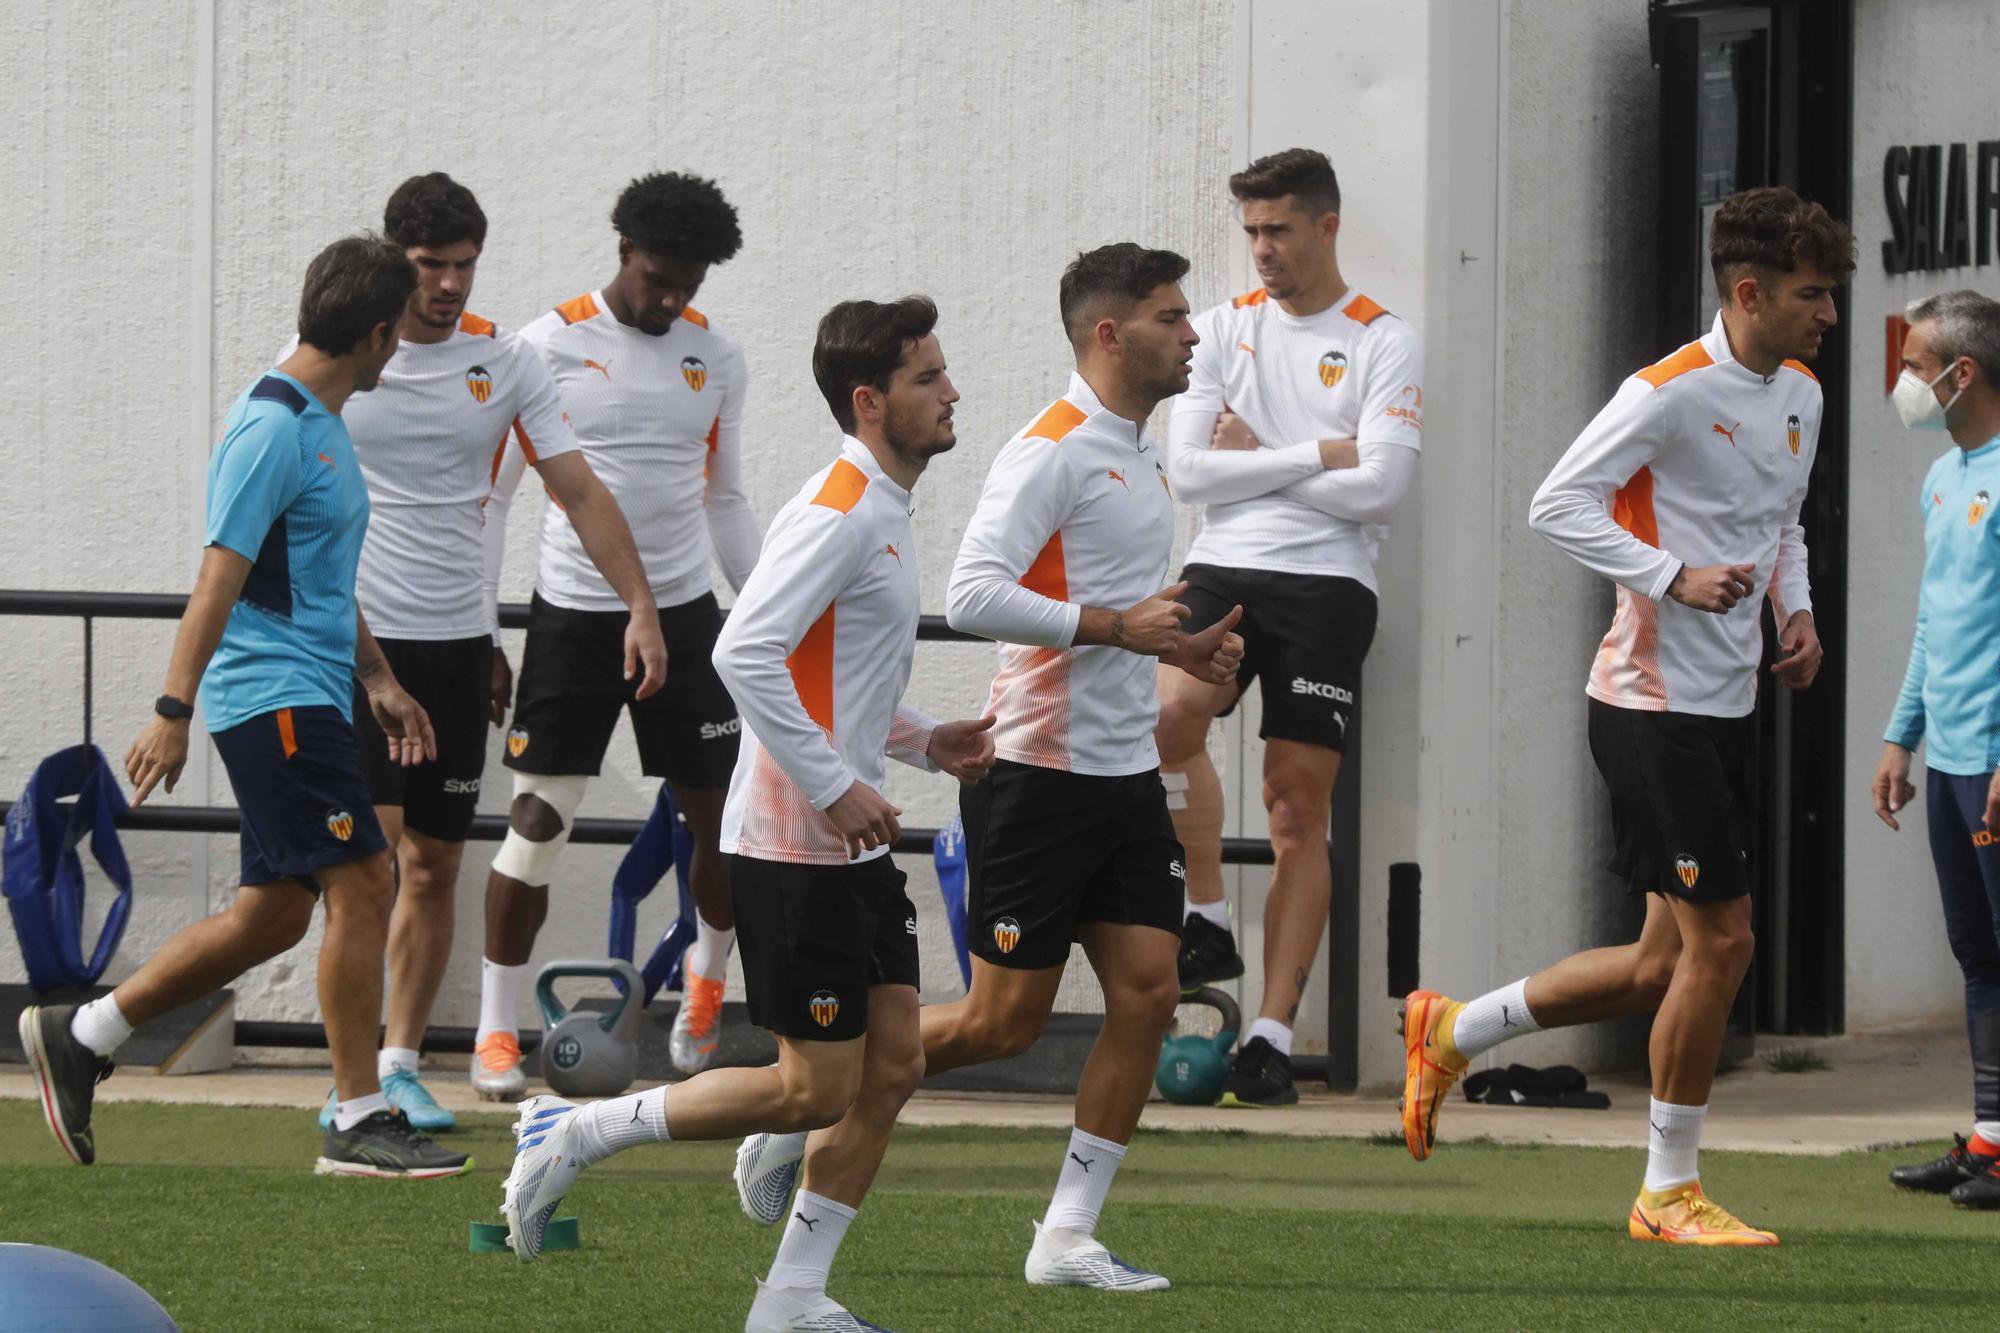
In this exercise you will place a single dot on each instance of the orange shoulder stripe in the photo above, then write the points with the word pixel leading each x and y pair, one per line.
pixel 474 325
pixel 577 310
pixel 1257 297
pixel 1803 369
pixel 1062 417
pixel 843 486
pixel 1692 357
pixel 1363 311
pixel 694 317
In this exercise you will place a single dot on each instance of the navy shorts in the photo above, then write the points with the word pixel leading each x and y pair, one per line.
pixel 297 776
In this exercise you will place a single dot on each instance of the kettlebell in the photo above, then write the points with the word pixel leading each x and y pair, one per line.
pixel 1192 1067
pixel 585 1053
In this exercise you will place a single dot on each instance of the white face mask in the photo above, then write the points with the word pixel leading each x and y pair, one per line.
pixel 1917 405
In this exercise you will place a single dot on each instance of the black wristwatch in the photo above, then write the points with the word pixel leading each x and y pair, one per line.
pixel 169 707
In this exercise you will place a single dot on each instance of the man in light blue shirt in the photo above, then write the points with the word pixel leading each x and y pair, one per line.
pixel 274 639
pixel 1950 701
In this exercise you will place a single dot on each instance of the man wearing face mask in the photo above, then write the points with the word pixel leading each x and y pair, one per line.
pixel 1951 694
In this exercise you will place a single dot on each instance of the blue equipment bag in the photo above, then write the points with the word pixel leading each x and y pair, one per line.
pixel 43 877
pixel 663 843
pixel 948 852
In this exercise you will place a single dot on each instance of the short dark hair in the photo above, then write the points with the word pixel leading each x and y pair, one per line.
pixel 1770 230
pixel 678 217
pixel 1966 324
pixel 863 342
pixel 432 210
pixel 1303 173
pixel 1113 278
pixel 351 286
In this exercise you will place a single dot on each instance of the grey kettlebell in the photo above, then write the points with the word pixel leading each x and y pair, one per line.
pixel 585 1053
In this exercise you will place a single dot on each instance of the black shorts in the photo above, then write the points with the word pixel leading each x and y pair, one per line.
pixel 298 783
pixel 1681 799
pixel 1046 851
pixel 453 680
pixel 815 938
pixel 1305 635
pixel 573 686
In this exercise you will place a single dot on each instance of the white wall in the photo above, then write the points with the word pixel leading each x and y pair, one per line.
pixel 872 149
pixel 1912 86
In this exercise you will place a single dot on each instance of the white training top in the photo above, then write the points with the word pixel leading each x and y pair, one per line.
pixel 1353 371
pixel 429 437
pixel 817 652
pixel 660 419
pixel 1075 512
pixel 1695 461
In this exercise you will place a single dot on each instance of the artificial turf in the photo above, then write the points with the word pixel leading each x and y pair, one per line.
pixel 215 1211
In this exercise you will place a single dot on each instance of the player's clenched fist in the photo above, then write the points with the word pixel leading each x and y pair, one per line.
pixel 864 819
pixel 1715 588
pixel 1153 627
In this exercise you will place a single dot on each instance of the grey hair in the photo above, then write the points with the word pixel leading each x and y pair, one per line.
pixel 1967 324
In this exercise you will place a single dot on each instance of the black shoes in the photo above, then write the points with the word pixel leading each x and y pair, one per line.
pixel 66 1076
pixel 1208 954
pixel 384 1145
pixel 1944 1174
pixel 1983 1190
pixel 1260 1076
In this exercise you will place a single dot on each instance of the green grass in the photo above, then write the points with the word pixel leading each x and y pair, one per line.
pixel 215 1211
pixel 1795 1060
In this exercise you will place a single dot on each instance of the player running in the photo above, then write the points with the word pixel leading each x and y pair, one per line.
pixel 273 633
pixel 656 397
pixel 817 651
pixel 1299 433
pixel 1685 492
pixel 428 437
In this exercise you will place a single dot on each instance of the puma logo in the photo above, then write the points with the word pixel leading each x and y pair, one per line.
pixel 1506 1018
pixel 1658 1128
pixel 1080 1162
pixel 635 1117
pixel 330 461
pixel 891 549
pixel 1118 477
pixel 604 370
pixel 1248 348
pixel 1729 435
pixel 810 1222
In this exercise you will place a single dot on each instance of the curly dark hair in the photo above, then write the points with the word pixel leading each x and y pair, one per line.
pixel 678 217
pixel 1302 173
pixel 863 342
pixel 1111 280
pixel 1771 230
pixel 433 209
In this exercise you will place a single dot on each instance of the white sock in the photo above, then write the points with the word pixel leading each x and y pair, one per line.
pixel 812 1238
pixel 1217 912
pixel 1271 1030
pixel 1494 1017
pixel 708 956
pixel 349 1114
pixel 1673 1144
pixel 499 996
pixel 100 1026
pixel 1987 1129
pixel 394 1059
pixel 1085 1180
pixel 617 1123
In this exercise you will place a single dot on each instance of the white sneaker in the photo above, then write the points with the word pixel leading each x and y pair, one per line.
pixel 1063 1258
pixel 545 1166
pixel 496 1068
pixel 697 1025
pixel 785 1309
pixel 767 1167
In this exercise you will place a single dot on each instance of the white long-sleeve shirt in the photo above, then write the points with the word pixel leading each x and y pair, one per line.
pixel 1353 371
pixel 428 437
pixel 1075 512
pixel 817 652
pixel 660 419
pixel 1696 460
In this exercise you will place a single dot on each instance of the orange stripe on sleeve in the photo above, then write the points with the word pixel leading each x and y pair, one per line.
pixel 1806 370
pixel 1632 508
pixel 1363 311
pixel 842 488
pixel 527 446
pixel 577 310
pixel 287 736
pixel 1047 575
pixel 1692 357
pixel 715 433
pixel 474 325
pixel 1061 418
pixel 811 665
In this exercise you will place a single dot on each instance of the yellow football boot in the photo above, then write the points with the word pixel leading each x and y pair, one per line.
pixel 1685 1216
pixel 1432 1065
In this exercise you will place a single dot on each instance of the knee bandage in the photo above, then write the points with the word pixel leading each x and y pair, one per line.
pixel 1194 799
pixel 527 859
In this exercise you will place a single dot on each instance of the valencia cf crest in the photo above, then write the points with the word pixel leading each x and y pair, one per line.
pixel 1792 433
pixel 1980 504
pixel 479 383
pixel 1006 934
pixel 1688 869
pixel 340 824
pixel 517 741
pixel 694 372
pixel 825 1007
pixel 1333 369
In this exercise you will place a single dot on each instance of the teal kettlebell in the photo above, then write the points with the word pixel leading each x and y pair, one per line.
pixel 1192 1067
pixel 585 1053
